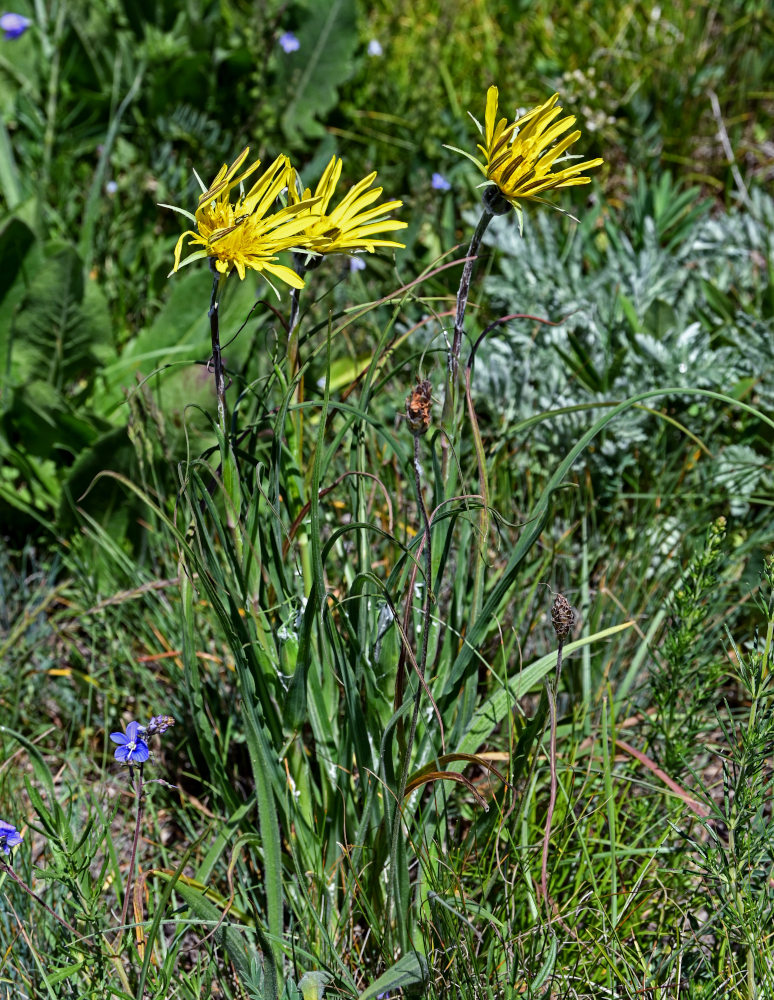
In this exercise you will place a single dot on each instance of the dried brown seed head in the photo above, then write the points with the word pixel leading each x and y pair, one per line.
pixel 418 407
pixel 563 617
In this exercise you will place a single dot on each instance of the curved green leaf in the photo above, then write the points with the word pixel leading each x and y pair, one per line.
pixel 410 970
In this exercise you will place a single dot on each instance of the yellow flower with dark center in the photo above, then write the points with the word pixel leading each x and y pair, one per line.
pixel 240 234
pixel 519 156
pixel 352 225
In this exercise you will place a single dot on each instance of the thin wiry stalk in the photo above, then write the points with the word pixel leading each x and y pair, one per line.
pixel 551 687
pixel 422 661
pixel 140 798
pixel 301 264
pixel 6 868
pixel 452 375
pixel 464 289
pixel 217 360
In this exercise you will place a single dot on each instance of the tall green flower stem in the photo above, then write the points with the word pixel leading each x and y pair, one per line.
pixel 228 459
pixel 464 289
pixel 139 795
pixel 300 267
pixel 421 666
pixel 551 694
pixel 301 264
pixel 216 360
pixel 452 374
pixel 563 618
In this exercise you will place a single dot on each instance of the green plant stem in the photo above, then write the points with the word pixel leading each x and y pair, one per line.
pixel 295 308
pixel 452 375
pixel 610 804
pixel 422 661
pixel 551 688
pixel 750 973
pixel 300 266
pixel 229 468
pixel 483 486
pixel 762 679
pixel 464 290
pixel 767 649
pixel 5 867
pixel 139 798
pixel 217 360
pixel 585 603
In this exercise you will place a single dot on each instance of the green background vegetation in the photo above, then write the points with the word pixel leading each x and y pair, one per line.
pixel 262 613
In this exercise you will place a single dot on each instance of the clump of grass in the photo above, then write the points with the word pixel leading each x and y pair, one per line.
pixel 685 681
pixel 388 777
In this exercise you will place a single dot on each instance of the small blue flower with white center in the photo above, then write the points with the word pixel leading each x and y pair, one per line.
pixel 9 837
pixel 132 748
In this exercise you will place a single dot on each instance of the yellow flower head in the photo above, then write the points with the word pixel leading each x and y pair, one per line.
pixel 352 224
pixel 241 235
pixel 519 155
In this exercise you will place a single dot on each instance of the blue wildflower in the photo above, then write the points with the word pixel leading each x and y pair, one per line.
pixel 357 264
pixel 439 182
pixel 132 748
pixel 374 48
pixel 14 25
pixel 9 837
pixel 289 43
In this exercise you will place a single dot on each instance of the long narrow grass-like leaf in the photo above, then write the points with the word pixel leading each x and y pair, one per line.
pixel 231 937
pixel 610 808
pixel 153 931
pixel 296 697
pixel 534 527
pixel 408 972
pixel 491 713
pixel 192 674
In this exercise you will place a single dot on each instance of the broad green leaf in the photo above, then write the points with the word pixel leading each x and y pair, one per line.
pixel 410 970
pixel 325 59
pixel 489 715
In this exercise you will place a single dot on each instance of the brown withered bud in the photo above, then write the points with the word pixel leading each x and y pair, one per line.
pixel 563 617
pixel 418 407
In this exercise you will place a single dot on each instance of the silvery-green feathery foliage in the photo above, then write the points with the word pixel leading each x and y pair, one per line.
pixel 670 296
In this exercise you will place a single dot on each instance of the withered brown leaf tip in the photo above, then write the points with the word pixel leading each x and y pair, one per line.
pixel 418 407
